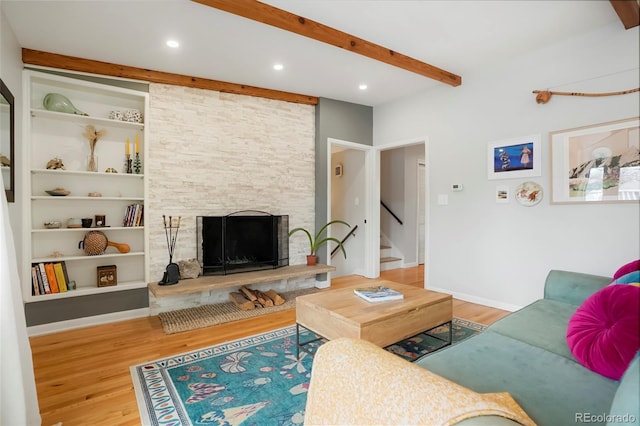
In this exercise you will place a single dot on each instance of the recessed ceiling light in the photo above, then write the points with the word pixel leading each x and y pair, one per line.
pixel 278 67
pixel 173 43
pixel 363 87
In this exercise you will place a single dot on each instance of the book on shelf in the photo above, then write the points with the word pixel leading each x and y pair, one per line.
pixel 43 276
pixel 35 278
pixel 378 294
pixel 62 284
pixel 51 276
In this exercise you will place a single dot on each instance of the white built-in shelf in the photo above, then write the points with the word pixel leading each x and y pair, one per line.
pixel 86 174
pixel 85 119
pixel 71 197
pixel 53 134
pixel 106 228
pixel 85 257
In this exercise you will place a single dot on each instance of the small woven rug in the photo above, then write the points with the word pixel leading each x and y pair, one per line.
pixel 219 313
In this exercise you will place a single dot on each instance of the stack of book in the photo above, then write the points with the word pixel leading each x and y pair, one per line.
pixel 378 294
pixel 47 278
pixel 134 215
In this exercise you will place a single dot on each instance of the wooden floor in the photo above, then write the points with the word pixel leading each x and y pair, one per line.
pixel 83 378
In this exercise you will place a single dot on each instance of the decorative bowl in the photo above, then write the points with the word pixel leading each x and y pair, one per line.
pixel 58 192
pixel 52 224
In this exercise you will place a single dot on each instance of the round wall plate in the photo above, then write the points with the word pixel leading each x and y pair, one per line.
pixel 528 194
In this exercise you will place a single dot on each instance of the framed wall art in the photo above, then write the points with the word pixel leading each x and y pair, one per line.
pixel 596 164
pixel 502 194
pixel 514 158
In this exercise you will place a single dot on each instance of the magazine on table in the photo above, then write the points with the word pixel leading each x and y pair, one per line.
pixel 378 294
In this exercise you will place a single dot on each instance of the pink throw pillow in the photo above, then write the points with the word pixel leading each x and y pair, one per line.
pixel 625 269
pixel 604 333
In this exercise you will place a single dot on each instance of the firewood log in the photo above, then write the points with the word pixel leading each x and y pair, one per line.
pixel 263 299
pixel 277 299
pixel 240 301
pixel 249 294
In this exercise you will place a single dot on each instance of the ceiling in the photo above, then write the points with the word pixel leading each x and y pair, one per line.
pixel 457 36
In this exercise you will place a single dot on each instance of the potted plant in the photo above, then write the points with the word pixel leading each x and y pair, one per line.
pixel 316 242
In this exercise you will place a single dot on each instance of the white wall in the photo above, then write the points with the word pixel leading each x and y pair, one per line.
pixel 500 253
pixel 348 203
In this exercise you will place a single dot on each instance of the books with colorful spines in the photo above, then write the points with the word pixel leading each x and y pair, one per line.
pixel 62 284
pixel 51 276
pixel 34 280
pixel 378 294
pixel 45 281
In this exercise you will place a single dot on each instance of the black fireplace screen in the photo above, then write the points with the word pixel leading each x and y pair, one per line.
pixel 242 242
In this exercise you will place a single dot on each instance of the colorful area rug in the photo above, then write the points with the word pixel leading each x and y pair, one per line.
pixel 256 380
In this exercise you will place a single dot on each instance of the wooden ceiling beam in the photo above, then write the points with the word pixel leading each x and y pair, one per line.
pixel 54 60
pixel 267 14
pixel 628 11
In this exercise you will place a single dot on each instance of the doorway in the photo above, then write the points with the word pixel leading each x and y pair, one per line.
pixel 403 177
pixel 349 190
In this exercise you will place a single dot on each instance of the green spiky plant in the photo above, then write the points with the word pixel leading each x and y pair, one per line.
pixel 315 242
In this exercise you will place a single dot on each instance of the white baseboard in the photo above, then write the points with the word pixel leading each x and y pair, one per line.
pixel 55 327
pixel 479 300
pixel 409 264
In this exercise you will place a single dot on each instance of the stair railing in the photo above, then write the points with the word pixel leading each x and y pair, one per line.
pixel 390 212
pixel 353 230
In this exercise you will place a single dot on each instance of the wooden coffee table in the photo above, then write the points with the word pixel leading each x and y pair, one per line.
pixel 340 313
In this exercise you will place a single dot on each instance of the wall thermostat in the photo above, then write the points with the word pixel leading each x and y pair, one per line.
pixel 456 187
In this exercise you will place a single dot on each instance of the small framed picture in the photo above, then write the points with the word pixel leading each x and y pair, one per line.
pixel 502 194
pixel 107 275
pixel 338 170
pixel 514 158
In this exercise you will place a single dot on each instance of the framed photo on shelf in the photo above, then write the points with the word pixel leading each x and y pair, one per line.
pixel 596 164
pixel 514 158
pixel 338 169
pixel 107 275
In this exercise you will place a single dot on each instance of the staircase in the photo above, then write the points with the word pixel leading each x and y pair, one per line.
pixel 387 260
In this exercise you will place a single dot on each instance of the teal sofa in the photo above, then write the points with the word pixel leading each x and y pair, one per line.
pixel 526 355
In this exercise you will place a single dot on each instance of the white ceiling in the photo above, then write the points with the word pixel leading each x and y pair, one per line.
pixel 457 36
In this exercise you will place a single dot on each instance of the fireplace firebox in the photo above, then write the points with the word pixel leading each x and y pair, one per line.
pixel 242 242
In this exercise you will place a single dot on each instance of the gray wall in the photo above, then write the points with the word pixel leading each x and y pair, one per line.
pixel 337 120
pixel 45 312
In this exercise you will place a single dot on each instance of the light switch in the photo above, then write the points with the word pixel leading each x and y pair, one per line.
pixel 443 199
